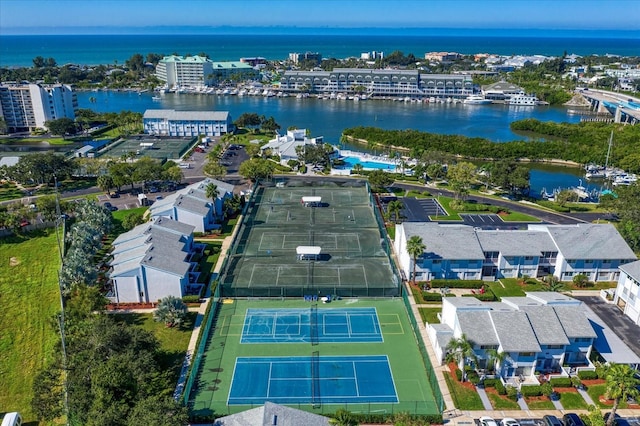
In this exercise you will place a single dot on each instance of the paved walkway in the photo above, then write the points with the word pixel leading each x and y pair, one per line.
pixel 191 348
pixel 486 402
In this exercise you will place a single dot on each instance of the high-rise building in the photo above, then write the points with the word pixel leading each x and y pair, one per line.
pixel 26 107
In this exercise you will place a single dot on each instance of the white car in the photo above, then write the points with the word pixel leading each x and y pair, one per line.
pixel 508 421
pixel 487 421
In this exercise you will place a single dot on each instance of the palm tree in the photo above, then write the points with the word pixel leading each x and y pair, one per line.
pixel 621 383
pixel 415 248
pixel 495 358
pixel 343 418
pixel 460 350
pixel 393 209
pixel 357 169
pixel 171 310
pixel 212 191
pixel 552 283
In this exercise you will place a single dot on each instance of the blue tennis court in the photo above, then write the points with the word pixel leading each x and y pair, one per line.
pixel 311 380
pixel 307 325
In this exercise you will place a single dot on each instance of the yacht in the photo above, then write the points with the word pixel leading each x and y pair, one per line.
pixel 521 100
pixel 476 100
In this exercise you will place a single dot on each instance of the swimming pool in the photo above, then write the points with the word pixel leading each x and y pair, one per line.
pixel 352 161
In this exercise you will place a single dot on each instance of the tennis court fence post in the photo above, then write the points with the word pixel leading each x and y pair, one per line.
pixel 313 325
pixel 315 382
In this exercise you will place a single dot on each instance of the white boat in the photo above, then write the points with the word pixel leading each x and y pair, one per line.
pixel 156 98
pixel 476 100
pixel 625 180
pixel 521 99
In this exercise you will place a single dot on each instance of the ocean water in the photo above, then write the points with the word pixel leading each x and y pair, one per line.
pixel 19 50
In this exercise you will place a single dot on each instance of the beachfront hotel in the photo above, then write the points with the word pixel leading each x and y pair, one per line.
pixel 26 107
pixel 372 82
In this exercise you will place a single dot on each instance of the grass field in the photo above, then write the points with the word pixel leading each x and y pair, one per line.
pixel 573 401
pixel 463 398
pixel 502 403
pixel 30 299
pixel 409 375
pixel 541 404
pixel 430 315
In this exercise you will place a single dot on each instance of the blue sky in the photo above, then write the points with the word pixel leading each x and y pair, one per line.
pixel 50 16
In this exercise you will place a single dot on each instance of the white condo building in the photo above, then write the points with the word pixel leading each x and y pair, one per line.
pixel 26 107
pixel 169 122
pixel 627 296
pixel 180 71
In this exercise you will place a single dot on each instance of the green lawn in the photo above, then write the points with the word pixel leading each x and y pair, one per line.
pixel 173 341
pixel 596 391
pixel 430 315
pixel 30 299
pixel 544 404
pixel 518 217
pixel 453 214
pixel 502 403
pixel 463 398
pixel 573 401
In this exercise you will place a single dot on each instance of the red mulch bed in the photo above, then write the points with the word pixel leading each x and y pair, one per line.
pixel 593 382
pixel 536 398
pixel 126 306
pixel 452 371
pixel 565 390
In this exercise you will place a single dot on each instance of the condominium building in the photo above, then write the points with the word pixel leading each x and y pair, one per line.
pixel 180 71
pixel 627 295
pixel 196 71
pixel 26 107
pixel 376 82
pixel 169 122
pixel 463 252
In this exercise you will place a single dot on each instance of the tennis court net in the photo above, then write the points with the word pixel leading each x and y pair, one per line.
pixel 313 325
pixel 315 380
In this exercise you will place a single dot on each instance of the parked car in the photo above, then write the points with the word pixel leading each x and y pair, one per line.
pixel 572 419
pixel 487 421
pixel 508 421
pixel 12 419
pixel 110 206
pixel 551 421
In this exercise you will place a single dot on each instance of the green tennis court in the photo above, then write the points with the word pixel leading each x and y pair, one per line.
pixel 212 389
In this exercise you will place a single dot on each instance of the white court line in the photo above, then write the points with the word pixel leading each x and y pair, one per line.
pixel 278 275
pixel 260 245
pixel 269 381
pixel 355 378
pixel 358 240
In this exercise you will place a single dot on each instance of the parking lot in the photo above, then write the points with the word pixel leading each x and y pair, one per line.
pixel 419 209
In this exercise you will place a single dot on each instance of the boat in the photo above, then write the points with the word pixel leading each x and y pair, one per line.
pixel 476 100
pixel 521 99
pixel 156 98
pixel 625 180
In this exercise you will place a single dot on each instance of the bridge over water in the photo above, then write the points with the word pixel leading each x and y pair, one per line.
pixel 623 108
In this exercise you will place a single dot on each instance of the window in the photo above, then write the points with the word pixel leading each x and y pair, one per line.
pixel 525 354
pixel 486 347
pixel 555 346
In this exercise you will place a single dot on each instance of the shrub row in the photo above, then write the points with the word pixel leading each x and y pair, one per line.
pixel 486 297
pixel 457 283
pixel 531 390
pixel 428 296
pixel 500 387
pixel 587 375
pixel 561 382
pixel 458 374
pixel 192 298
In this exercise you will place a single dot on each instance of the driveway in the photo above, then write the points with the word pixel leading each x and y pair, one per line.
pixel 619 323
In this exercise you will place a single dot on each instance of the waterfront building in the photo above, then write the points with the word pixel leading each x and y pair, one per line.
pixel 296 58
pixel 376 82
pixel 179 71
pixel 169 122
pixel 285 146
pixel 232 71
pixel 442 56
pixel 466 253
pixel 26 107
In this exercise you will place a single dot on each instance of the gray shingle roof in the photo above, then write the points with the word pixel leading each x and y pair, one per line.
pixel 590 241
pixel 193 205
pixel 478 327
pixel 264 416
pixel 574 321
pixel 174 225
pixel 514 331
pixel 546 325
pixel 516 243
pixel 632 269
pixel 455 242
pixel 171 114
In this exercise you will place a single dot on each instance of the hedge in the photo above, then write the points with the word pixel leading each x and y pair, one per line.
pixel 490 383
pixel 458 374
pixel 535 390
pixel 561 382
pixel 192 298
pixel 431 297
pixel 457 283
pixel 500 387
pixel 486 297
pixel 587 375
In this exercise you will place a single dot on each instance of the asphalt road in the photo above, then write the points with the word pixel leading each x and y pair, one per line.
pixel 613 317
pixel 545 216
